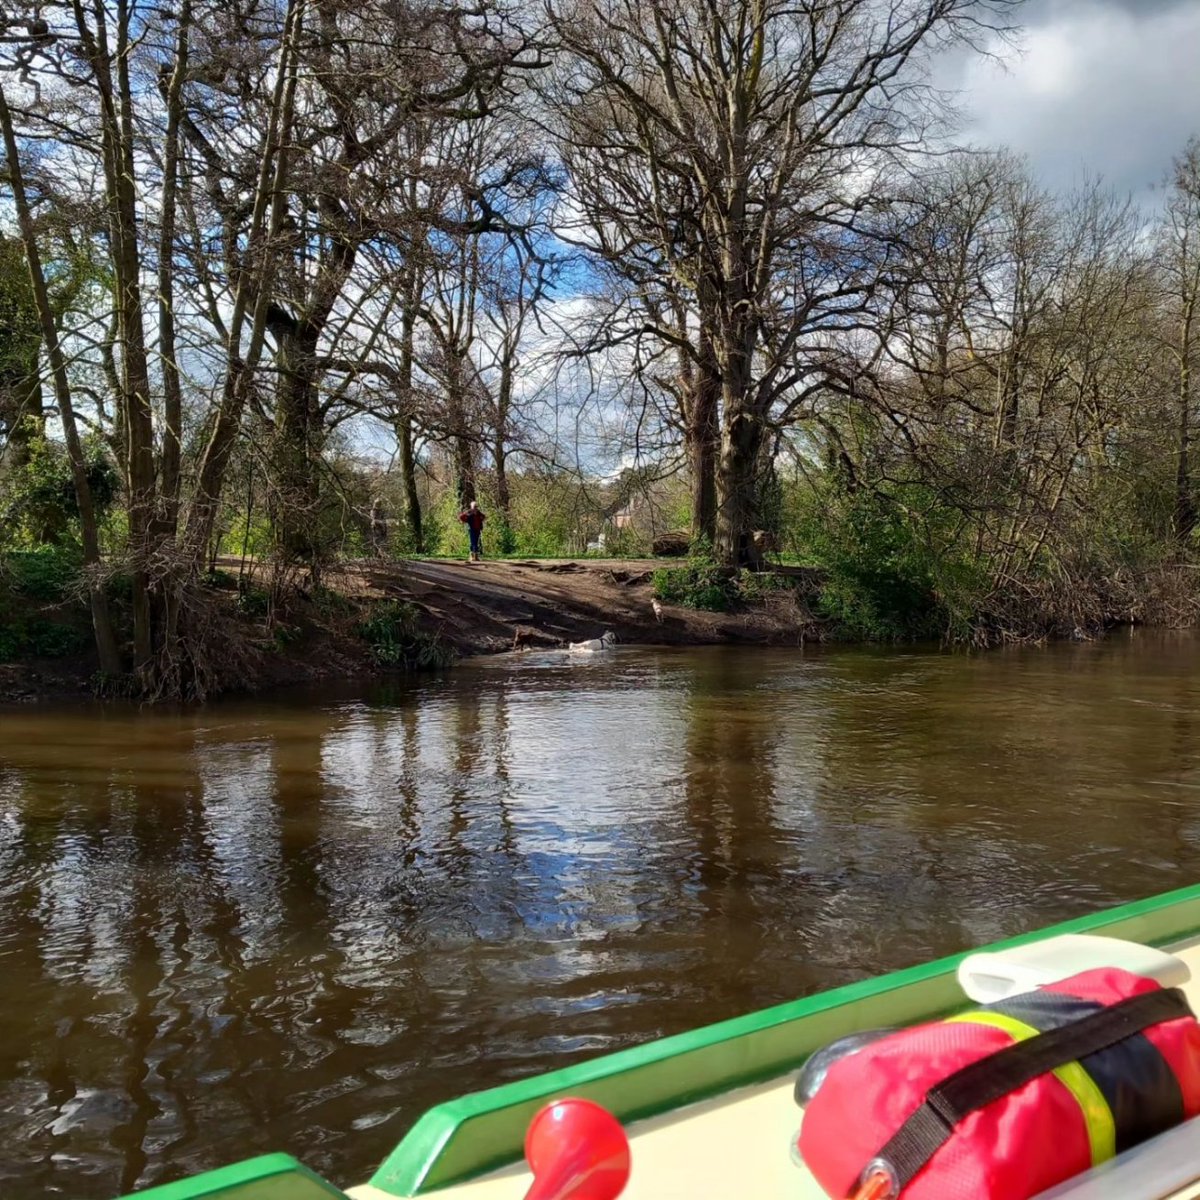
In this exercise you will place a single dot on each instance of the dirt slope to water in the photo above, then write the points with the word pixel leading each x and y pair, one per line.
pixel 477 608
pixel 489 607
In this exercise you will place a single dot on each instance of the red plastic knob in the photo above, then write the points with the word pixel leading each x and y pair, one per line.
pixel 576 1151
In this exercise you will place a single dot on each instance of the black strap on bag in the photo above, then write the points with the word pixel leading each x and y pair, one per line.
pixel 991 1078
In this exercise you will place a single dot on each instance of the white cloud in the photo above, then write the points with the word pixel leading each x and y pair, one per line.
pixel 1100 86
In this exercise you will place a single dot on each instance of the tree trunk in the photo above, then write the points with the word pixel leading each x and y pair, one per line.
pixel 462 446
pixel 116 127
pixel 737 483
pixel 403 424
pixel 1185 506
pixel 464 469
pixel 295 450
pixel 503 498
pixel 703 439
pixel 106 642
pixel 172 392
pixel 408 475
pixel 134 362
pixel 742 427
pixel 252 294
pixel 500 448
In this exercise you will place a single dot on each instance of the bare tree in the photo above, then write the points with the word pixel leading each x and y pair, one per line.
pixel 747 144
pixel 1180 239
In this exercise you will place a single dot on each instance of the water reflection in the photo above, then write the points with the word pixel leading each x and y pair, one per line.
pixel 295 924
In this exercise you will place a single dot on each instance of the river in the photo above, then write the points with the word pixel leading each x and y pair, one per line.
pixel 294 923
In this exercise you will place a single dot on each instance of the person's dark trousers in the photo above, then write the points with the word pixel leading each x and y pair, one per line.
pixel 476 540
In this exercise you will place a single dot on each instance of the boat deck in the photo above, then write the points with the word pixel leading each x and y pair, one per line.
pixel 736 1145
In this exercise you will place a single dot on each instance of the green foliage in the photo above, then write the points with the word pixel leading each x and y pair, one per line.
pixel 35 637
pixel 49 574
pixel 700 583
pixel 254 601
pixel 505 537
pixel 547 511
pixel 224 581
pixel 285 635
pixel 893 568
pixel 20 330
pixel 329 603
pixel 434 525
pixel 770 502
pixel 756 586
pixel 40 501
pixel 626 543
pixel 246 539
pixel 392 632
pixel 444 535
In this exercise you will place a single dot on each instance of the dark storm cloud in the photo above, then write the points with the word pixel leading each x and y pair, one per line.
pixel 1052 10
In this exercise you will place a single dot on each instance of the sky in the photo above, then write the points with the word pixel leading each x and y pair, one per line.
pixel 1100 87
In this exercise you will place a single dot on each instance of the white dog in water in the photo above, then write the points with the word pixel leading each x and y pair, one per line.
pixel 604 642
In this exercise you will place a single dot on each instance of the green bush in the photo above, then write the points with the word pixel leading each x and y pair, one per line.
pixel 38 638
pixel 49 574
pixel 756 586
pixel 329 603
pixel 893 570
pixel 254 601
pixel 700 583
pixel 391 630
pixel 505 537
pixel 626 543
pixel 12 641
pixel 224 581
pixel 285 635
pixel 40 496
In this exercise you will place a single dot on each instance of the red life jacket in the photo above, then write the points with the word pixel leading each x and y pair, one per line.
pixel 1005 1101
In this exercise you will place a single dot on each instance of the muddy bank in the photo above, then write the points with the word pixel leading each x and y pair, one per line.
pixel 490 607
pixel 474 608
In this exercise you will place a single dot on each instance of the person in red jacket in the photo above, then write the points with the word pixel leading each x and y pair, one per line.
pixel 472 517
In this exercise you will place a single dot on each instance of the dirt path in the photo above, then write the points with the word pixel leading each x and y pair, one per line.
pixel 493 606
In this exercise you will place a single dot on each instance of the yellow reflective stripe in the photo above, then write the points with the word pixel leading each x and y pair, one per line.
pixel 1097 1116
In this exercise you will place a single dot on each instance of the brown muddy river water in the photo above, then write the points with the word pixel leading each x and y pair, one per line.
pixel 295 923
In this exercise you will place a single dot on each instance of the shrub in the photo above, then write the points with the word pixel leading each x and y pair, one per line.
pixel 254 601
pixel 893 570
pixel 756 586
pixel 49 574
pixel 504 536
pixel 700 584
pixel 224 581
pixel 395 640
pixel 330 603
pixel 41 493
pixel 38 638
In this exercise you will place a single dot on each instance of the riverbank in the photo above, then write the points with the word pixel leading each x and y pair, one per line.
pixel 490 607
pixel 466 608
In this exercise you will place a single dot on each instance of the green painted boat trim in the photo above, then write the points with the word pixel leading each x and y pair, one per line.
pixel 269 1177
pixel 469 1136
